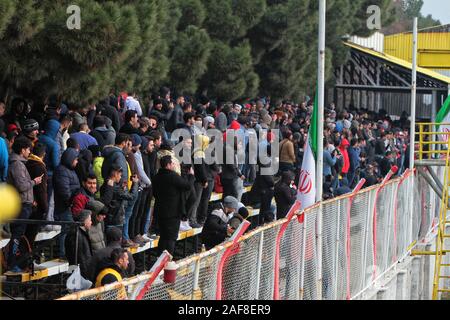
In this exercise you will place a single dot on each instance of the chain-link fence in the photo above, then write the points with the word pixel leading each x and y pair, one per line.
pixel 363 235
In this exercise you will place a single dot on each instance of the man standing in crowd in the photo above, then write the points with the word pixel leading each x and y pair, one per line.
pixel 66 184
pixel 168 190
pixel 19 178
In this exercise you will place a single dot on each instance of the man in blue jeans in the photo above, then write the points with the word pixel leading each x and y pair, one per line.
pixel 66 185
pixel 19 177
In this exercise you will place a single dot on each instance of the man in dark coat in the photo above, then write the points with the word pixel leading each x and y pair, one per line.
pixel 216 227
pixel 80 253
pixel 262 192
pixel 285 195
pixel 115 155
pixel 101 133
pixel 168 190
pixel 66 185
pixel 131 125
pixel 114 194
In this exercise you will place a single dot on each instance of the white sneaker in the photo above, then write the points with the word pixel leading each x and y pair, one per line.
pixel 184 226
pixel 146 238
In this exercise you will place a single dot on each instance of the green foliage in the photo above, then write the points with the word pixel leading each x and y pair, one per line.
pixel 189 59
pixel 228 49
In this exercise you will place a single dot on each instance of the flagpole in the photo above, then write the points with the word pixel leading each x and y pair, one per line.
pixel 413 98
pixel 319 170
pixel 413 126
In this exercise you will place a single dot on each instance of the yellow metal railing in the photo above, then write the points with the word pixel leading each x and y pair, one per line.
pixel 440 250
pixel 431 141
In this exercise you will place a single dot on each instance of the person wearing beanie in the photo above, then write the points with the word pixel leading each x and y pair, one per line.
pixel 208 123
pixel 78 246
pixel 216 227
pixel 30 129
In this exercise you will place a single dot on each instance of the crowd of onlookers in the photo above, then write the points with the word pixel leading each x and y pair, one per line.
pixel 112 167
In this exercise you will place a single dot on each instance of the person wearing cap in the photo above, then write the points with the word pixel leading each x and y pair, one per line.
pixel 30 130
pixel 78 246
pixel 83 137
pixel 66 184
pixel 208 123
pixel 216 228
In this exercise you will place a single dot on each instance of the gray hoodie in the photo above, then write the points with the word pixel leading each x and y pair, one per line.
pixel 19 177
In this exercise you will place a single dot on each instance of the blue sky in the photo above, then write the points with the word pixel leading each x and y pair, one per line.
pixel 439 9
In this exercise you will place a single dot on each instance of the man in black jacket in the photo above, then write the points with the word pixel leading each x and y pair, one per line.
pixel 168 190
pixel 114 195
pixel 66 185
pixel 285 195
pixel 131 123
pixel 230 171
pixel 216 227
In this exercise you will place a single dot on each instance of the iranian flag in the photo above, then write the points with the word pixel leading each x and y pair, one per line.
pixel 306 193
pixel 443 116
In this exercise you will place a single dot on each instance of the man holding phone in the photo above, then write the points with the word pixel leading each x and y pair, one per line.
pixel 19 177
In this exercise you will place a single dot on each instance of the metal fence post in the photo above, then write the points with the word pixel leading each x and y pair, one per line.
pixel 196 277
pixel 336 262
pixel 258 270
pixel 302 265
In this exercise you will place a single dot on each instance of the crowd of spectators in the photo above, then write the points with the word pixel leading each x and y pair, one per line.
pixel 111 166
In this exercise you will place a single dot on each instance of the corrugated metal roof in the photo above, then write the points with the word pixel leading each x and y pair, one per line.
pixel 399 62
pixel 374 42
